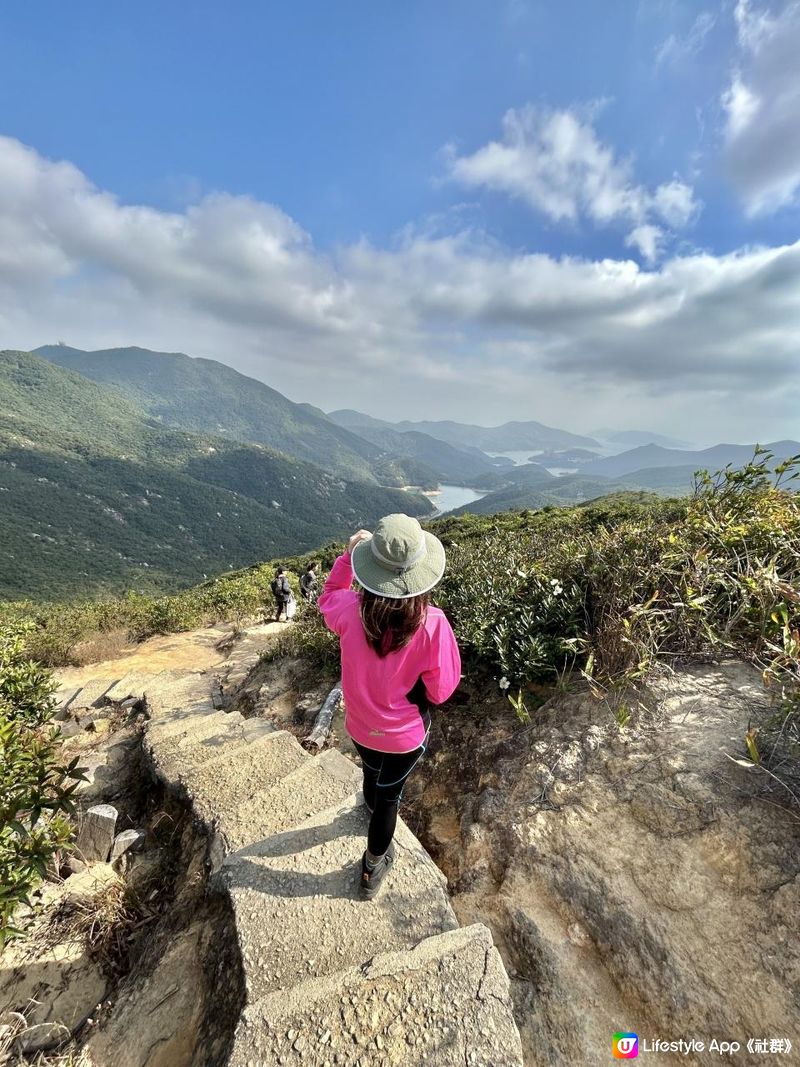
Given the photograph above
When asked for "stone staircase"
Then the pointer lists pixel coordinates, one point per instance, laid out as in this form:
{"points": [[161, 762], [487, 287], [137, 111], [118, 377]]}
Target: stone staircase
{"points": [[330, 979]]}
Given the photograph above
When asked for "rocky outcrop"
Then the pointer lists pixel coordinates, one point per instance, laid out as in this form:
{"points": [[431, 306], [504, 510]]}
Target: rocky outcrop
{"points": [[635, 878], [52, 977]]}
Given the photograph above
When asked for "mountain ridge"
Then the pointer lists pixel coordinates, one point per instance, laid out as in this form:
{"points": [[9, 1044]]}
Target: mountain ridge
{"points": [[508, 437], [203, 395], [97, 496], [651, 457]]}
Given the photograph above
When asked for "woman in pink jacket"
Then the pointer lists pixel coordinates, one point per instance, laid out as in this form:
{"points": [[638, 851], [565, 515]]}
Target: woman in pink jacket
{"points": [[399, 655]]}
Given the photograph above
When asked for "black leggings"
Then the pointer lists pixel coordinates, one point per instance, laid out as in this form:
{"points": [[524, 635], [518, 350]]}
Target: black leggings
{"points": [[385, 775]]}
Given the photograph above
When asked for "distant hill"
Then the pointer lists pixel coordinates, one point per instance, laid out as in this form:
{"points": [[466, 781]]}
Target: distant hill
{"points": [[670, 480], [538, 493], [531, 486], [567, 456], [437, 460], [525, 475], [204, 396], [96, 496], [510, 437], [648, 457], [634, 438]]}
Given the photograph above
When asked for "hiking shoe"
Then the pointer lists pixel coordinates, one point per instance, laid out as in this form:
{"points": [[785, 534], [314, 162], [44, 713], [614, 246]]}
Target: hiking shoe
{"points": [[371, 880]]}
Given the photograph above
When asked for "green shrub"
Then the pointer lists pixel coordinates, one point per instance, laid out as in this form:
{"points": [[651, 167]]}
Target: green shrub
{"points": [[35, 786]]}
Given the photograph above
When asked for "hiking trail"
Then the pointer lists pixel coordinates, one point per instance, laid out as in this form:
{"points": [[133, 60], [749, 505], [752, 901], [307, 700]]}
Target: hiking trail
{"points": [[326, 977]]}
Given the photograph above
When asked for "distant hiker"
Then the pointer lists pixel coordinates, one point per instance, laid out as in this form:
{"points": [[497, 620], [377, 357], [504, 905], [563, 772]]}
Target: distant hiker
{"points": [[282, 593], [398, 655], [308, 584]]}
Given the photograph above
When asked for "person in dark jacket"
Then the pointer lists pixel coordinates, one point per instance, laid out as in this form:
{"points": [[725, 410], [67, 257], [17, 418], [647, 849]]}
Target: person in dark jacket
{"points": [[282, 593], [308, 584]]}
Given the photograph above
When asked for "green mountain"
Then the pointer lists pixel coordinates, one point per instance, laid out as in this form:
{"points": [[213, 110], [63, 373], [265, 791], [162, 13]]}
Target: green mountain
{"points": [[436, 460], [523, 476], [510, 437], [95, 496], [528, 489], [203, 396]]}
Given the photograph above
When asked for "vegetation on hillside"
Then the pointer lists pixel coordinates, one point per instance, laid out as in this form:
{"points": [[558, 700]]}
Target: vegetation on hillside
{"points": [[95, 497], [207, 397], [63, 632], [608, 590], [36, 786]]}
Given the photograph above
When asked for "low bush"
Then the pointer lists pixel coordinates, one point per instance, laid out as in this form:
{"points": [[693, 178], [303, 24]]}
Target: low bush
{"points": [[36, 787]]}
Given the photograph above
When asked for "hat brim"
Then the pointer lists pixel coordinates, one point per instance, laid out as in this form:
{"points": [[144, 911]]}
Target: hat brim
{"points": [[379, 579]]}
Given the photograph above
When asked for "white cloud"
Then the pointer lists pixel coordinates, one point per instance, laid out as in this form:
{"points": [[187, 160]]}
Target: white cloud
{"points": [[676, 49], [554, 161], [647, 239], [762, 105], [439, 325], [675, 203]]}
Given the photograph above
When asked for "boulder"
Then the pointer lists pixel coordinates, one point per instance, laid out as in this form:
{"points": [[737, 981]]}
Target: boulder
{"points": [[56, 985], [41, 1037], [96, 835], [141, 869], [89, 882], [127, 841]]}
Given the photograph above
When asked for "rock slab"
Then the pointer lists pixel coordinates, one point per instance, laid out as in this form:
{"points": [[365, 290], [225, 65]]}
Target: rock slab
{"points": [[127, 841], [97, 832]]}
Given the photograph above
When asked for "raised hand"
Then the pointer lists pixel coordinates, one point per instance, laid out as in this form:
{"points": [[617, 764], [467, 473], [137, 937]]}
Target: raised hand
{"points": [[361, 535]]}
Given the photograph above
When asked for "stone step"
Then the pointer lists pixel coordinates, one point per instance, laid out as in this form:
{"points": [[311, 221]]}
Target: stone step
{"points": [[167, 732], [444, 1002], [296, 904], [172, 694], [245, 653], [92, 694], [201, 723], [177, 756], [133, 684], [63, 697], [317, 784], [219, 786]]}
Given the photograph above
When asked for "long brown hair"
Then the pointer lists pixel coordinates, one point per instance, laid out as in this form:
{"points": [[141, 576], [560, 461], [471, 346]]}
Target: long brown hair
{"points": [[389, 624]]}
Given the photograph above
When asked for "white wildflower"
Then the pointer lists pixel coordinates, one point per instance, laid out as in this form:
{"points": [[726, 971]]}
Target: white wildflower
{"points": [[504, 683]]}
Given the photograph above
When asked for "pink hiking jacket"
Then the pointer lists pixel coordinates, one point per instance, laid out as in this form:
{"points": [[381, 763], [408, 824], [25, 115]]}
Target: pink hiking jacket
{"points": [[378, 712]]}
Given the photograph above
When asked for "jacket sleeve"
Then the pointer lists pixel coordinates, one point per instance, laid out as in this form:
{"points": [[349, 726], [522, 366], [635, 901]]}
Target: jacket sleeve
{"points": [[444, 673], [335, 594]]}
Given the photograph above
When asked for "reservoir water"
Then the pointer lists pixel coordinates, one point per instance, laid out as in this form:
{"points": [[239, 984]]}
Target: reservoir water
{"points": [[453, 496]]}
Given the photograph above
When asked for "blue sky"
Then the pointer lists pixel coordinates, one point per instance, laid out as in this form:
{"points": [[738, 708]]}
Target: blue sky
{"points": [[395, 151]]}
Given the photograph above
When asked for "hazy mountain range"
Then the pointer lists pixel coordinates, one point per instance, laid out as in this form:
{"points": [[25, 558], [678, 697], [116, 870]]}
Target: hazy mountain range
{"points": [[127, 467], [510, 437]]}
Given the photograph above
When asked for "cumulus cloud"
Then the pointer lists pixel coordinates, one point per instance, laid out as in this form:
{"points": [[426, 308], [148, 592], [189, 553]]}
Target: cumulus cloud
{"points": [[761, 105], [554, 161], [436, 325]]}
